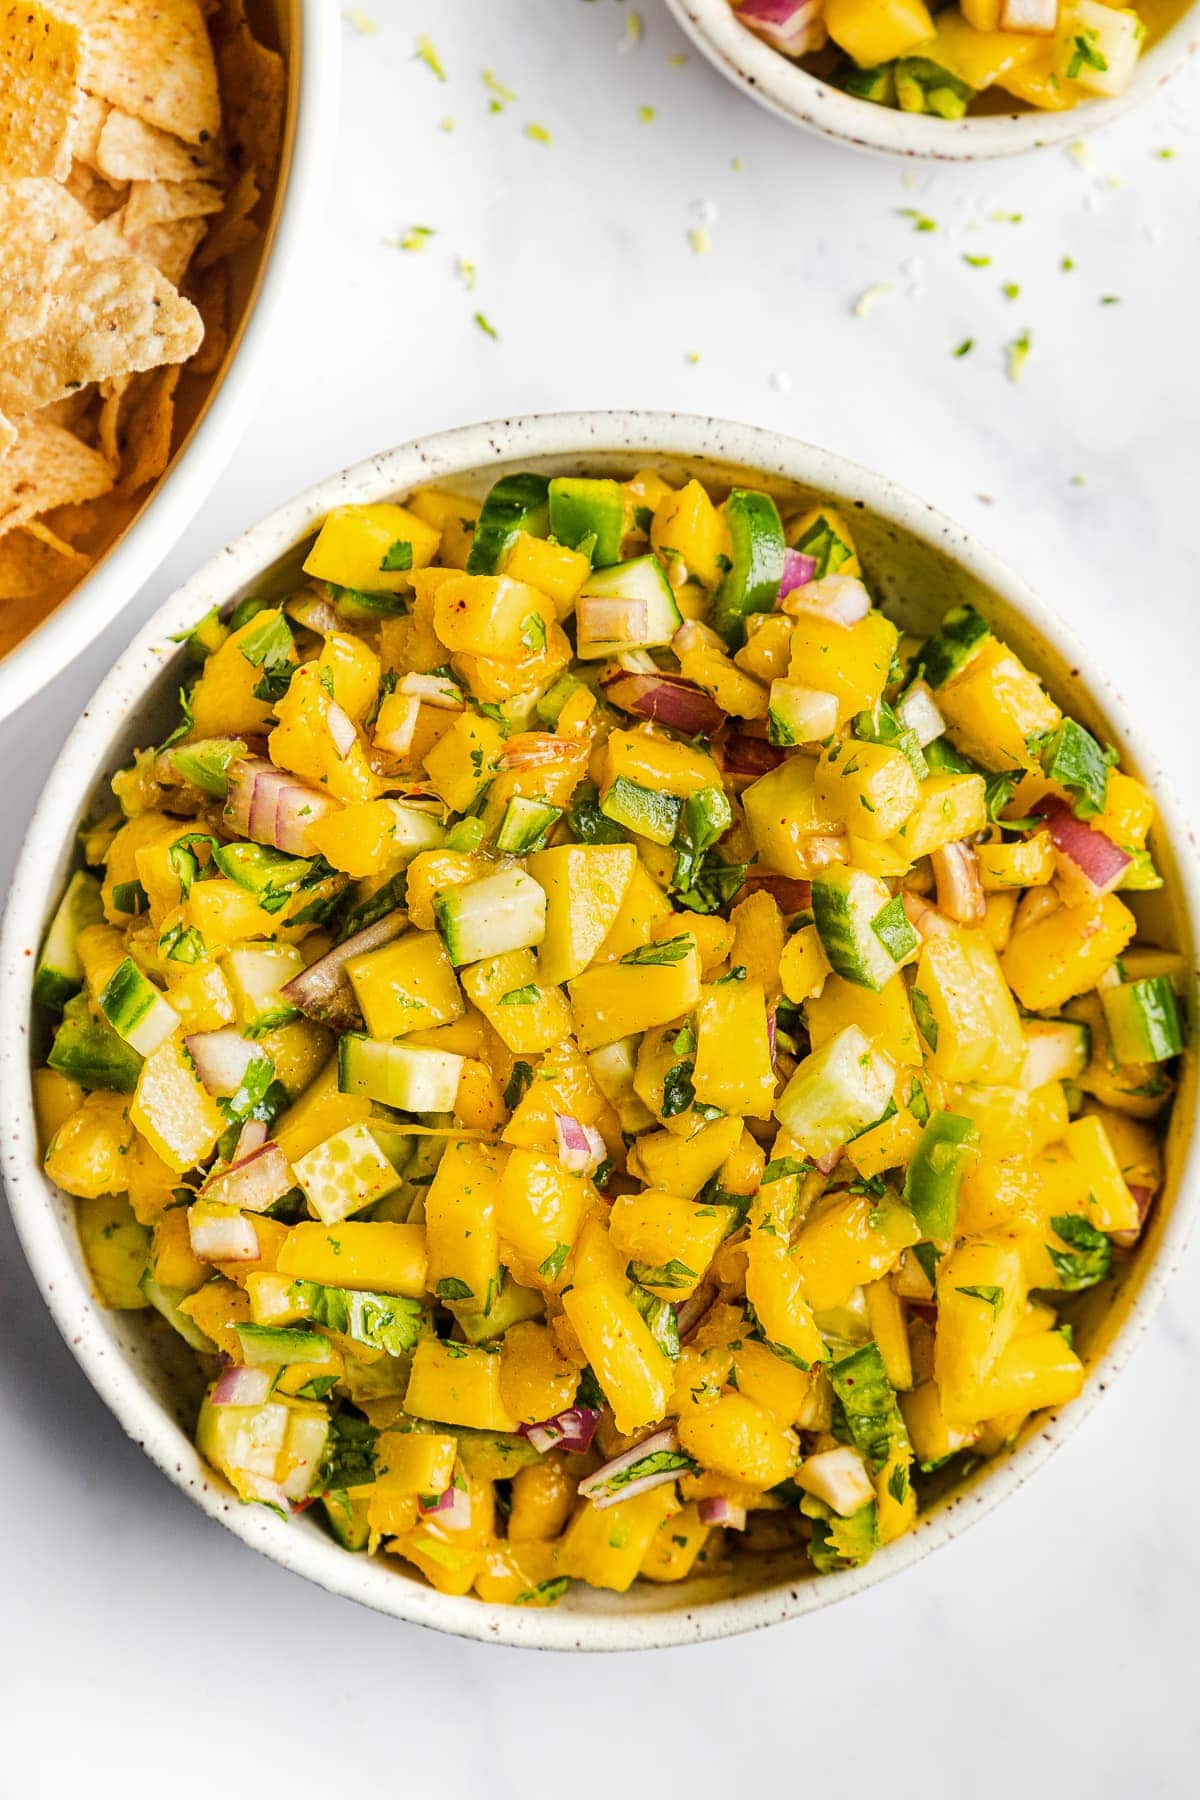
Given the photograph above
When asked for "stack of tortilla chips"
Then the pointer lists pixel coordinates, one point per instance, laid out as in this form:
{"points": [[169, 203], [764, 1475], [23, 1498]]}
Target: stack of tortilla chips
{"points": [[139, 144]]}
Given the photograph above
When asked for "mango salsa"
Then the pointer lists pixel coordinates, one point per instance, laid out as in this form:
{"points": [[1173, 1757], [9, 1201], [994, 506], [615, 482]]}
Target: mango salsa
{"points": [[582, 1119]]}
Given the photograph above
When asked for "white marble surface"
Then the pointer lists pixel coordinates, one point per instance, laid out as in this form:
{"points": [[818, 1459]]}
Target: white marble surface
{"points": [[1051, 1651]]}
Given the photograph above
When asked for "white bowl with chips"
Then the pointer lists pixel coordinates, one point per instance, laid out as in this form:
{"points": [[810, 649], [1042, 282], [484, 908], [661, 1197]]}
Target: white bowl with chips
{"points": [[803, 98], [909, 550], [308, 32]]}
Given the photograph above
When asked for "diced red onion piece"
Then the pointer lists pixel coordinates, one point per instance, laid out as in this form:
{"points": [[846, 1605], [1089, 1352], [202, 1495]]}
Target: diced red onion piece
{"points": [[315, 611], [841, 598], [255, 1183], [604, 621], [636, 662], [690, 1312], [580, 1147], [227, 1239], [451, 1510], [240, 1386], [959, 889], [790, 893], [918, 712], [271, 1493], [252, 1137], [299, 1477], [798, 571], [221, 1058], [432, 690], [1143, 1200], [668, 700], [753, 756], [323, 991], [791, 26], [598, 1487], [1091, 854], [718, 1511], [272, 807], [341, 729], [825, 1165], [573, 1429]]}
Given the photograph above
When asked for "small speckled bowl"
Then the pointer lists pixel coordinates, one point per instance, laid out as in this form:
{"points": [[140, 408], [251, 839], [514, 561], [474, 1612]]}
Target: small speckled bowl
{"points": [[919, 563], [785, 88]]}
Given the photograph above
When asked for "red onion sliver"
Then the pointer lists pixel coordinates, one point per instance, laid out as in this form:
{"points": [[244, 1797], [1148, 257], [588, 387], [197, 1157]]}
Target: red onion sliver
{"points": [[753, 756], [798, 571], [252, 1137], [604, 621], [580, 1147], [272, 807], [690, 1313], [598, 1487], [790, 893], [241, 1386], [1143, 1199], [570, 1430], [791, 26], [341, 729], [1092, 855], [668, 700], [925, 919], [719, 1511], [323, 992], [451, 1510], [253, 1184], [959, 890], [841, 598]]}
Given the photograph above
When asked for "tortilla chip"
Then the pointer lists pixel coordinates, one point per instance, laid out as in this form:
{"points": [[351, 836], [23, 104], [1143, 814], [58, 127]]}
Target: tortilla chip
{"points": [[161, 202], [211, 295], [147, 423], [130, 150], [72, 411], [90, 121], [234, 229], [154, 61], [37, 564], [41, 227], [168, 246], [113, 318], [8, 436], [40, 58], [254, 84], [99, 198], [47, 467], [108, 425]]}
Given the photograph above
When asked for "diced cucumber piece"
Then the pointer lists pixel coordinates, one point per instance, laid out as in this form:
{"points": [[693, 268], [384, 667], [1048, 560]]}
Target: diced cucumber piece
{"points": [[934, 1176], [957, 639], [627, 607], [130, 897], [836, 1093], [512, 1306], [89, 1051], [751, 583], [588, 515], [516, 503], [256, 973], [390, 1322], [59, 971], [136, 1010], [555, 698], [865, 932], [1055, 1050], [882, 726], [703, 818], [268, 874], [643, 810], [941, 758], [923, 86], [467, 835], [205, 763], [800, 715], [406, 1076], [345, 1173], [526, 825], [877, 85], [166, 1301], [346, 1519], [1143, 1020], [275, 1346], [415, 828], [499, 912]]}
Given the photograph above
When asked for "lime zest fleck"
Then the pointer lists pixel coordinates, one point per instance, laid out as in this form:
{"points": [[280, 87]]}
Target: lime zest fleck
{"points": [[1011, 290], [501, 96], [464, 268], [635, 31], [1006, 218], [426, 53], [1067, 264], [1017, 354], [920, 221], [485, 325], [977, 262], [692, 356], [699, 240], [415, 238], [360, 21], [538, 134], [647, 114], [965, 348], [869, 298], [678, 59]]}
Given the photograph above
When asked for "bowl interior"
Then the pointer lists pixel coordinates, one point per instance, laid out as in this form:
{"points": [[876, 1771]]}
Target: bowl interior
{"points": [[915, 561]]}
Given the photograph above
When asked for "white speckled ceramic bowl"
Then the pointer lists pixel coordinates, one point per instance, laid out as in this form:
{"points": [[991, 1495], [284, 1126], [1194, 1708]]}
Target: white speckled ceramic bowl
{"points": [[783, 87], [309, 32], [919, 562]]}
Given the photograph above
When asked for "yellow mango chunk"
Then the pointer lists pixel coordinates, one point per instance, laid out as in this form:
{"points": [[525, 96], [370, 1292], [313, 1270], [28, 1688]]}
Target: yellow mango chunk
{"points": [[371, 548]]}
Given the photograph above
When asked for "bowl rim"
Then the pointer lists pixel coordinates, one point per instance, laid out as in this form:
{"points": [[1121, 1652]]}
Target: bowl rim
{"points": [[313, 80], [783, 87], [469, 450]]}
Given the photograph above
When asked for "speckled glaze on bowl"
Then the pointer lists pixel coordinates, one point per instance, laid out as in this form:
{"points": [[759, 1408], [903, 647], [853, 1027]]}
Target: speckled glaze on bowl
{"points": [[785, 88], [310, 33], [908, 549]]}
